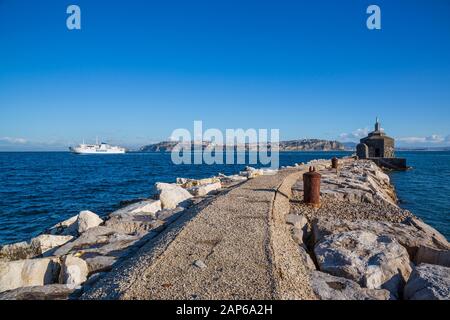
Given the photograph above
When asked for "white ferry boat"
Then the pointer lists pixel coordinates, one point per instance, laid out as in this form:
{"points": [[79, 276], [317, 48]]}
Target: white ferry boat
{"points": [[98, 148]]}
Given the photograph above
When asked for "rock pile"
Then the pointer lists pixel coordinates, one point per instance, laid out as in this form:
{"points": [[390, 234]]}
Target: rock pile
{"points": [[364, 246], [355, 182], [79, 250]]}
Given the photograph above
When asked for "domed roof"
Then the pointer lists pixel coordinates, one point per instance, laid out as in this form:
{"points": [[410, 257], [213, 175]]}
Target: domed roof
{"points": [[377, 134]]}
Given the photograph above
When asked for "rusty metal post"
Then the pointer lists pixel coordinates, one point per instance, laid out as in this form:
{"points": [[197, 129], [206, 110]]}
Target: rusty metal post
{"points": [[334, 163], [311, 187]]}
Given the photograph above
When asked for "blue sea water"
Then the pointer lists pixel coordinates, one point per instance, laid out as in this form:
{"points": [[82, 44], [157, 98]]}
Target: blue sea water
{"points": [[37, 190], [425, 189]]}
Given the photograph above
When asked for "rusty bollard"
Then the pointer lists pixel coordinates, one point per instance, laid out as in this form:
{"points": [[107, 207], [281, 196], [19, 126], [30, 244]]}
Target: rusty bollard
{"points": [[334, 163], [311, 187]]}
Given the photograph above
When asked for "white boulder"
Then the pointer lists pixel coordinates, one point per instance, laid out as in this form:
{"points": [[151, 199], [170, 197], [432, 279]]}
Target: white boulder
{"points": [[426, 254], [46, 242], [298, 221], [74, 271], [171, 195], [251, 172], [145, 207], [86, 220], [375, 262], [18, 251], [136, 224], [189, 183], [408, 235], [268, 171], [46, 292], [30, 272], [203, 190], [148, 206], [328, 287], [233, 178], [428, 282], [94, 237], [66, 227]]}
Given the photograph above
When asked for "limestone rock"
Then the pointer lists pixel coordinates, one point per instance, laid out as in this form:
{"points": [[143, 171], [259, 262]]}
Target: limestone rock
{"points": [[118, 245], [100, 263], [145, 207], [232, 178], [169, 215], [66, 227], [297, 235], [30, 272], [148, 206], [86, 220], [101, 240], [47, 292], [18, 251], [250, 172], [429, 255], [428, 282], [46, 242], [373, 261], [358, 182], [306, 259], [74, 271], [36, 247], [171, 195], [93, 237], [203, 190], [407, 235], [269, 172], [137, 224], [298, 221], [328, 287], [436, 236], [189, 183]]}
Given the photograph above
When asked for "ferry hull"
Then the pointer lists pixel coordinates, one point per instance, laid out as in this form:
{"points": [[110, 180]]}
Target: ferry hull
{"points": [[100, 152]]}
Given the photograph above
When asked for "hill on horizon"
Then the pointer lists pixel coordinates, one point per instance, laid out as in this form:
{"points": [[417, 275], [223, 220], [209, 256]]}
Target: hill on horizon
{"points": [[290, 145]]}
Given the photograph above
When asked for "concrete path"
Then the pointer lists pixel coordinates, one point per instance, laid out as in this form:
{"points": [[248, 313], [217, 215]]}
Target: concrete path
{"points": [[230, 238]]}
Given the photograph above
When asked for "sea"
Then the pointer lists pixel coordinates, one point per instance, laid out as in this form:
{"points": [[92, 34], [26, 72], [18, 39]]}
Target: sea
{"points": [[40, 189]]}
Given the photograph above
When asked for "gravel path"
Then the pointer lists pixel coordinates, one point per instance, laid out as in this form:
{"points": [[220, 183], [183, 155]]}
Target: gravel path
{"points": [[225, 250]]}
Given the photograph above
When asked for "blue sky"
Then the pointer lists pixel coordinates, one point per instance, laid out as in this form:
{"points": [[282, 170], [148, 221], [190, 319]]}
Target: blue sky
{"points": [[137, 70]]}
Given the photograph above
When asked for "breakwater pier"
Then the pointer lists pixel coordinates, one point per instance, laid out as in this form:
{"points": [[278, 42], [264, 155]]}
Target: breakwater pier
{"points": [[243, 236]]}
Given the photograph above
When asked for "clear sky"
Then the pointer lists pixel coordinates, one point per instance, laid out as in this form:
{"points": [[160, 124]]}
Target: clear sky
{"points": [[137, 70]]}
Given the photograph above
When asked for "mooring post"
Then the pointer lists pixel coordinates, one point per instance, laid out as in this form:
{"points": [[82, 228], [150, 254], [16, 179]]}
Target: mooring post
{"points": [[311, 187], [334, 163]]}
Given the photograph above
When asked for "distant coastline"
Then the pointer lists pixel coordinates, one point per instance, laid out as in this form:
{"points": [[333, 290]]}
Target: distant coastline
{"points": [[290, 145]]}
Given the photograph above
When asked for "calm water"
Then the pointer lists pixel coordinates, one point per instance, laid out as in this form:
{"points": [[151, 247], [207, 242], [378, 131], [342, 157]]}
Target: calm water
{"points": [[37, 190], [425, 190]]}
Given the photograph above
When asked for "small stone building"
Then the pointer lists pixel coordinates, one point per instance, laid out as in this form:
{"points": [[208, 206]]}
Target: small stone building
{"points": [[376, 145]]}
